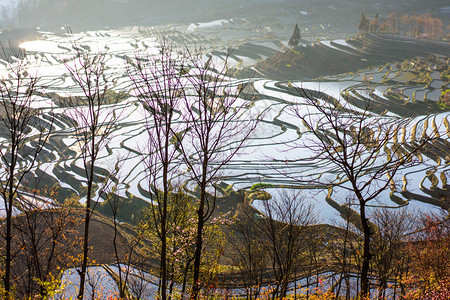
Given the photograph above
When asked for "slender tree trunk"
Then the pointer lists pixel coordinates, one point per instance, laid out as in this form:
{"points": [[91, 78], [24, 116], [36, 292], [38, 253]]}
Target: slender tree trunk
{"points": [[163, 227], [121, 285], [307, 287], [9, 209], [186, 269], [198, 245], [382, 289], [87, 222], [395, 288], [365, 289], [8, 238], [171, 289], [164, 217], [284, 287], [200, 222], [275, 291]]}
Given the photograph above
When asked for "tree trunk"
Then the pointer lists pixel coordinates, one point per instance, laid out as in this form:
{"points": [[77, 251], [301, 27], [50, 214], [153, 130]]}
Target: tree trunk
{"points": [[183, 290], [163, 226], [85, 247], [198, 246], [382, 289], [8, 238], [200, 224], [284, 287], [87, 220], [119, 269], [365, 289]]}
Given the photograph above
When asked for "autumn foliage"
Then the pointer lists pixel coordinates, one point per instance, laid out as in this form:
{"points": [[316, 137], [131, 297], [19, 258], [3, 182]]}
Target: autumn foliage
{"points": [[429, 253], [422, 26]]}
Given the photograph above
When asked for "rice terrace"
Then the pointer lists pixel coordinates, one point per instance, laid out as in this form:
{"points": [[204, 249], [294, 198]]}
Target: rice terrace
{"points": [[274, 149]]}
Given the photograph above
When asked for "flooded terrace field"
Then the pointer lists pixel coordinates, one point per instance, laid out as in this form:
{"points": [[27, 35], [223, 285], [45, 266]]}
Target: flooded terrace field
{"points": [[407, 85]]}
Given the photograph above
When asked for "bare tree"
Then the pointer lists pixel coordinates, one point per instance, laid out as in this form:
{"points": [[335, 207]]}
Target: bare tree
{"points": [[126, 247], [218, 128], [160, 85], [286, 236], [43, 249], [342, 246], [23, 136], [391, 228], [93, 115], [249, 254], [367, 151], [140, 284]]}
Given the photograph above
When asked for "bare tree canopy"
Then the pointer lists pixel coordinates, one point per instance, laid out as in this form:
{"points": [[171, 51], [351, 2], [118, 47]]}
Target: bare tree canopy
{"points": [[93, 118], [365, 150], [23, 136]]}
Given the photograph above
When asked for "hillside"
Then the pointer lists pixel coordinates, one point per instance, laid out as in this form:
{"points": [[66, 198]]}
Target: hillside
{"points": [[324, 58]]}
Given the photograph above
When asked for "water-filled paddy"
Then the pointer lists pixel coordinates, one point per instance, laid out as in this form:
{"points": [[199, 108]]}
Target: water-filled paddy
{"points": [[272, 154]]}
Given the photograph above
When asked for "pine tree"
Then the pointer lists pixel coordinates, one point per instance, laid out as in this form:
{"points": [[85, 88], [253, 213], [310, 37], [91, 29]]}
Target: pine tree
{"points": [[363, 26], [295, 38]]}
